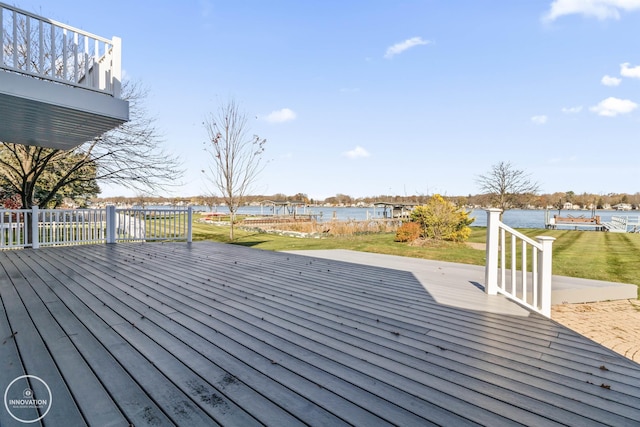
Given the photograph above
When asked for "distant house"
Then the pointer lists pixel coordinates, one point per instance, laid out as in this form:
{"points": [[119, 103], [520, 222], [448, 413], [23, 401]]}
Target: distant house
{"points": [[622, 207]]}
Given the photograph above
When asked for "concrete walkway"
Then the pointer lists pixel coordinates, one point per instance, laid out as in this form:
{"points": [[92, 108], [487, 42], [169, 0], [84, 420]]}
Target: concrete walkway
{"points": [[566, 290]]}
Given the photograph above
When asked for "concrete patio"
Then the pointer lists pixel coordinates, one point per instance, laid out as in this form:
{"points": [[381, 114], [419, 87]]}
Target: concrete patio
{"points": [[565, 290]]}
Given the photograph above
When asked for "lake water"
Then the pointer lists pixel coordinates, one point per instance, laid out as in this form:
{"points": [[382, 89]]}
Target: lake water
{"points": [[516, 218]]}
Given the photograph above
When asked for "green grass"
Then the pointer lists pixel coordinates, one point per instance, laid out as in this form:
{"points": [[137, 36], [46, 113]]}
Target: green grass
{"points": [[378, 243], [612, 257]]}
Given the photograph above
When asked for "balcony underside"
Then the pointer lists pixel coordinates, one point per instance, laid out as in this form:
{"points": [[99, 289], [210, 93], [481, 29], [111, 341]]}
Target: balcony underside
{"points": [[48, 114]]}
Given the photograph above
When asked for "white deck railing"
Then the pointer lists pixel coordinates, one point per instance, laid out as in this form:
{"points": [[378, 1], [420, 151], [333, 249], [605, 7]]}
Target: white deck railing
{"points": [[517, 266], [23, 228], [50, 50], [14, 232], [70, 227], [152, 224]]}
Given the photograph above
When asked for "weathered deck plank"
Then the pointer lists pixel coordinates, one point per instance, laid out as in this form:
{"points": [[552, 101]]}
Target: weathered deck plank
{"points": [[93, 401], [154, 324], [32, 336], [117, 333], [544, 343], [111, 359], [177, 299], [209, 333], [10, 361]]}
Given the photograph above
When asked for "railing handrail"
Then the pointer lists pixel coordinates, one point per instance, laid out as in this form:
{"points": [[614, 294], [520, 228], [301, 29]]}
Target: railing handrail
{"points": [[96, 71], [527, 239], [537, 281], [53, 22], [128, 226], [21, 228], [162, 209]]}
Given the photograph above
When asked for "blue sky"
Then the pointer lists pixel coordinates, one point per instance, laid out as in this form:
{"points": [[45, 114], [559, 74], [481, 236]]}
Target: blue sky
{"points": [[370, 97]]}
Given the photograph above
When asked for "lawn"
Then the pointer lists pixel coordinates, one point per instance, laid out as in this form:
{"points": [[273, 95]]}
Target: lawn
{"points": [[588, 254]]}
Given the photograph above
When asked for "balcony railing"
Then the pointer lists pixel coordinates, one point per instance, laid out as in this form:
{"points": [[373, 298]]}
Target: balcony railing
{"points": [[517, 266], [50, 50], [150, 224], [34, 228]]}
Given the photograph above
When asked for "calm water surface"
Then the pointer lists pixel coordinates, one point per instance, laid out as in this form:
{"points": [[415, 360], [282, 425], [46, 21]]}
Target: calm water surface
{"points": [[516, 218]]}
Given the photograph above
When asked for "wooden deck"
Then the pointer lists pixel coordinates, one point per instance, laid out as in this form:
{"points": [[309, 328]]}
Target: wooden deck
{"points": [[212, 334]]}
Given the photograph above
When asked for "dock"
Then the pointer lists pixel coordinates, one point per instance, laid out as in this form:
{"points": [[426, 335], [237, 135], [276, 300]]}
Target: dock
{"points": [[617, 224], [553, 222]]}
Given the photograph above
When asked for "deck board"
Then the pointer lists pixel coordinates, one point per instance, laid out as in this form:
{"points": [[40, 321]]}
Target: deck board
{"points": [[111, 358], [91, 397], [163, 371], [10, 360], [195, 308], [410, 353], [36, 338], [260, 406], [207, 334]]}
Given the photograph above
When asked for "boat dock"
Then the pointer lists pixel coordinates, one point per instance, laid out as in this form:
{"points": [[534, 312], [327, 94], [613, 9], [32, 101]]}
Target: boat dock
{"points": [[617, 224]]}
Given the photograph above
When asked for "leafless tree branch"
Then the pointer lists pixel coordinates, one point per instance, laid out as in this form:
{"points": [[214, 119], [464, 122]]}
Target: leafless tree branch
{"points": [[505, 185], [236, 156]]}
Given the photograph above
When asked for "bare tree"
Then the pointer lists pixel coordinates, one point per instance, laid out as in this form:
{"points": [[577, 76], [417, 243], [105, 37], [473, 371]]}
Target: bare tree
{"points": [[236, 156], [506, 185], [130, 156]]}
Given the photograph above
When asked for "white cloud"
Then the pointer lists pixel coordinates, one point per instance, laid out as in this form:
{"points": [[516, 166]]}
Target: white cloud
{"points": [[600, 9], [627, 71], [402, 46], [539, 120], [280, 116], [610, 81], [611, 107], [572, 110], [356, 153]]}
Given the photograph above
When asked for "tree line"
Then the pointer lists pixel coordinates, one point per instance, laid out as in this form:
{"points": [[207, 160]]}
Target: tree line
{"points": [[554, 200]]}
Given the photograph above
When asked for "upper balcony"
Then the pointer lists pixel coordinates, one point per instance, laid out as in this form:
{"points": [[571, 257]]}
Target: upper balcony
{"points": [[59, 86]]}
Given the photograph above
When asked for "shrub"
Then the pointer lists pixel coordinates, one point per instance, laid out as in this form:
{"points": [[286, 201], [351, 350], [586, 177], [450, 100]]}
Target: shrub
{"points": [[408, 232], [440, 219]]}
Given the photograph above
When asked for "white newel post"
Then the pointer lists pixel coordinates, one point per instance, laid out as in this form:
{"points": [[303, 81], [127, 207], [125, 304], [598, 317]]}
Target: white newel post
{"points": [[116, 67], [111, 224], [544, 273], [189, 224], [493, 246], [35, 243]]}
